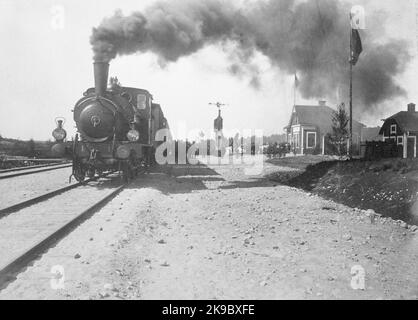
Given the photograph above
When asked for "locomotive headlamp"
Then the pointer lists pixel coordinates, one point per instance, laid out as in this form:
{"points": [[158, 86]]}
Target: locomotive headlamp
{"points": [[133, 135], [59, 133]]}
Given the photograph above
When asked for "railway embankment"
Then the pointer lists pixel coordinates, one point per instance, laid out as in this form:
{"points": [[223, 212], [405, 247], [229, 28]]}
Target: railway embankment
{"points": [[389, 187]]}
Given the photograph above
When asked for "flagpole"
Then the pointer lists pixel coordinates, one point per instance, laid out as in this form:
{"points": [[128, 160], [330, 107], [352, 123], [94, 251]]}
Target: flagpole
{"points": [[294, 92], [350, 151]]}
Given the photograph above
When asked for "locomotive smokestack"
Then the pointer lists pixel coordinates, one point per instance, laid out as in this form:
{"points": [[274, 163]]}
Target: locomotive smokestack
{"points": [[101, 73]]}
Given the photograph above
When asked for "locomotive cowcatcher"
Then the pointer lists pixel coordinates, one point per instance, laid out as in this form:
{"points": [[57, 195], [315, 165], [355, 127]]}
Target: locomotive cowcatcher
{"points": [[116, 129]]}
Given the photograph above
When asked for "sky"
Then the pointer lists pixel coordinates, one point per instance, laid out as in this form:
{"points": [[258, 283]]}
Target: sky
{"points": [[46, 65]]}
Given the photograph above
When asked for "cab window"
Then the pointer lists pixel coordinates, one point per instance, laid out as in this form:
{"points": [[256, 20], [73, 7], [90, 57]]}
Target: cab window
{"points": [[141, 101]]}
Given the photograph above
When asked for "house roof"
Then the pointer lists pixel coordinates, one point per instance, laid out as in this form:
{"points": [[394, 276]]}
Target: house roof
{"points": [[408, 121], [319, 116], [370, 134]]}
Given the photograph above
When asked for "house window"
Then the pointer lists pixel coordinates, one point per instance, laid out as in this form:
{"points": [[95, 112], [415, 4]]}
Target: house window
{"points": [[393, 129], [400, 140], [311, 140]]}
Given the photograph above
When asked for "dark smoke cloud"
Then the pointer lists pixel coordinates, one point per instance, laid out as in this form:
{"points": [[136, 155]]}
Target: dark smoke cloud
{"points": [[310, 38], [171, 29]]}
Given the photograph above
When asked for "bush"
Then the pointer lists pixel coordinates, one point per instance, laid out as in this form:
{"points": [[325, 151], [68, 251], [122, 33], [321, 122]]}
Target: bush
{"points": [[275, 149]]}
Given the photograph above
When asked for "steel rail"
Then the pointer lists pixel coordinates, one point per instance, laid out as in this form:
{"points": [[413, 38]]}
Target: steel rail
{"points": [[32, 167], [32, 160], [34, 171]]}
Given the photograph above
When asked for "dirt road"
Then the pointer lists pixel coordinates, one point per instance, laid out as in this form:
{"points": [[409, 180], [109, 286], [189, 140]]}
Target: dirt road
{"points": [[197, 232]]}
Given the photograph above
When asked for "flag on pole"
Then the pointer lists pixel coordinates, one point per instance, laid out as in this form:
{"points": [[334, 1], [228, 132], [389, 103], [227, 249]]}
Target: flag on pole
{"points": [[356, 46], [296, 81], [357, 23]]}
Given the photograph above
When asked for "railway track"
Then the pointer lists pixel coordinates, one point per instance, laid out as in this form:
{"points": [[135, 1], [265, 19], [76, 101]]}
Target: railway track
{"points": [[26, 203], [39, 223], [11, 173], [33, 167]]}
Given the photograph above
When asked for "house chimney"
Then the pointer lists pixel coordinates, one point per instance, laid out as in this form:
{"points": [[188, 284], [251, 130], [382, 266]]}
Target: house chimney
{"points": [[101, 73], [411, 107], [322, 103]]}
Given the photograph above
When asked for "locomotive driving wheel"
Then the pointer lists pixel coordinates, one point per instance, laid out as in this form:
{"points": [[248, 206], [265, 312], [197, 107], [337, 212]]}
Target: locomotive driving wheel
{"points": [[135, 163], [130, 167], [91, 172], [78, 172], [127, 171]]}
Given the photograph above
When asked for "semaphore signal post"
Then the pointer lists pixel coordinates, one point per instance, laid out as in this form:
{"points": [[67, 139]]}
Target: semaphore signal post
{"points": [[218, 126]]}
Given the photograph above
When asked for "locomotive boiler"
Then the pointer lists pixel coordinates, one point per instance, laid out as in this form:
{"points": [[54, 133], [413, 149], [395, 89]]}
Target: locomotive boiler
{"points": [[116, 128]]}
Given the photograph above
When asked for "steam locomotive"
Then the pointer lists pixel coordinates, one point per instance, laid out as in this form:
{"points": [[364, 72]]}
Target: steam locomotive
{"points": [[116, 128]]}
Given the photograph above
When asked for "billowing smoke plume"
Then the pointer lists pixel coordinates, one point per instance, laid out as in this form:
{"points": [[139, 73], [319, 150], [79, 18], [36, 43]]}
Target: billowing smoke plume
{"points": [[308, 38]]}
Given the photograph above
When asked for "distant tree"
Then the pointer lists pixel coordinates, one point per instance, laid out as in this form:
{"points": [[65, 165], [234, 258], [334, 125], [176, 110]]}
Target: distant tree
{"points": [[339, 135], [279, 138], [31, 148]]}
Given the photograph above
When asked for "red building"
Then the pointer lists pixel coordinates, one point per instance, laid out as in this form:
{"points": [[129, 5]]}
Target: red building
{"points": [[402, 129]]}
